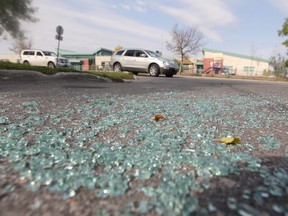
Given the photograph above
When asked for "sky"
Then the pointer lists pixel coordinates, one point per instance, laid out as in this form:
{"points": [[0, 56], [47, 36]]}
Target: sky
{"points": [[247, 27]]}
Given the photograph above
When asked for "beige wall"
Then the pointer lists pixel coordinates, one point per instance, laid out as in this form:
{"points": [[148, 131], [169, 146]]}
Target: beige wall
{"points": [[101, 62], [239, 63], [11, 58]]}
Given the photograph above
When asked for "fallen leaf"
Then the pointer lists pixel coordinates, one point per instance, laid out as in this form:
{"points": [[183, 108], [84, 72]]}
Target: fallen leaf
{"points": [[159, 117], [230, 140], [23, 181], [71, 200]]}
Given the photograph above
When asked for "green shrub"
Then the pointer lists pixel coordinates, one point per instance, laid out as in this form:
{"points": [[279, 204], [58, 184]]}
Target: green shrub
{"points": [[266, 73], [45, 70], [115, 76]]}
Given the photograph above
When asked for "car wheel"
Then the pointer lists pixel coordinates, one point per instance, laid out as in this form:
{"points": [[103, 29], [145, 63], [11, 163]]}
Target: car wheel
{"points": [[51, 65], [154, 70], [26, 63], [117, 67]]}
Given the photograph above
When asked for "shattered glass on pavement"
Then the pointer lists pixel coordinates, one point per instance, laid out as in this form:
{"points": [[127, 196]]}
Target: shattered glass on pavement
{"points": [[104, 144]]}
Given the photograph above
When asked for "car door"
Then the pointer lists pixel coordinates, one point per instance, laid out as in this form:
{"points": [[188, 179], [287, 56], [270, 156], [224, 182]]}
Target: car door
{"points": [[128, 60], [31, 57], [39, 59], [140, 63]]}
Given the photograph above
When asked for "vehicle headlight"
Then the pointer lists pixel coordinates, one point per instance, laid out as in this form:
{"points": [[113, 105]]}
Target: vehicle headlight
{"points": [[166, 63]]}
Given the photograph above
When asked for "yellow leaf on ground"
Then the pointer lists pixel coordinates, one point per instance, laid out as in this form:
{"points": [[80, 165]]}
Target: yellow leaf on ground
{"points": [[159, 117], [230, 140]]}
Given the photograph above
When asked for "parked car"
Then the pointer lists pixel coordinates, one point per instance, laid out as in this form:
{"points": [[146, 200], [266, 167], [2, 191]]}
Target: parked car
{"points": [[141, 60], [43, 58]]}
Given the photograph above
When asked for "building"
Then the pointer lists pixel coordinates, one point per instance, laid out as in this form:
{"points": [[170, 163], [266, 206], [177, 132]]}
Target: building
{"points": [[15, 58], [212, 62], [96, 60], [219, 62]]}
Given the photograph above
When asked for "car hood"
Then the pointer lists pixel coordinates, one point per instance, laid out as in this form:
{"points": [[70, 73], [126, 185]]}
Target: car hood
{"points": [[171, 62]]}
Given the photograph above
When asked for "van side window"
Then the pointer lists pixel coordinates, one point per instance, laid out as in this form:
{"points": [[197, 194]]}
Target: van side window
{"points": [[26, 53], [39, 54], [31, 53]]}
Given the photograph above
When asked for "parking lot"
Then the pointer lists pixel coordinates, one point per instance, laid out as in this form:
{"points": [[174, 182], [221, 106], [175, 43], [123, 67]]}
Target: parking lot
{"points": [[75, 145]]}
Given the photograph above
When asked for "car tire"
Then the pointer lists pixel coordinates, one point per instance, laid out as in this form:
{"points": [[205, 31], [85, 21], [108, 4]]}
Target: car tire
{"points": [[117, 67], [154, 70], [51, 65], [26, 63]]}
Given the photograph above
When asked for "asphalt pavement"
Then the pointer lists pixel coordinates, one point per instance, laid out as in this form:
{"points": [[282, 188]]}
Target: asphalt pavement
{"points": [[75, 144]]}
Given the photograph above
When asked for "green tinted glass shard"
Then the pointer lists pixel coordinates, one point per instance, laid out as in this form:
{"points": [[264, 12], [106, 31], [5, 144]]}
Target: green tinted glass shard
{"points": [[4, 120], [232, 203], [247, 210]]}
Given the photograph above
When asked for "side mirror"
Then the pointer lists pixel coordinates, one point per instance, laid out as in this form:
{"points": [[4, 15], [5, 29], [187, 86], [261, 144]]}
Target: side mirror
{"points": [[159, 53], [143, 55]]}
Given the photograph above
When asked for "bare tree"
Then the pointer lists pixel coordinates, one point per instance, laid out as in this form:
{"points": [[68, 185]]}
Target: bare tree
{"points": [[253, 56], [278, 64], [20, 44], [185, 41]]}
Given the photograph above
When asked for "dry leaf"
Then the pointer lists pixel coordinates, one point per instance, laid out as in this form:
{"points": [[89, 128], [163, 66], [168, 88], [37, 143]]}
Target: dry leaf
{"points": [[159, 117], [71, 200], [23, 181], [230, 140]]}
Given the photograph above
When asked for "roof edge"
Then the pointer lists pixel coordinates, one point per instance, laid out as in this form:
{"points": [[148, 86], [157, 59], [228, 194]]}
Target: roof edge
{"points": [[236, 55]]}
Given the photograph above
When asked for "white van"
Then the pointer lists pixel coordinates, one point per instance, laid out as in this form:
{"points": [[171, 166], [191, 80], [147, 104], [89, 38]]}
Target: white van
{"points": [[43, 58]]}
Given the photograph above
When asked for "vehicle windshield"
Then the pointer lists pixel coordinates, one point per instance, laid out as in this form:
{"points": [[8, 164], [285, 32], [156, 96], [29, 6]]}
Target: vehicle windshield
{"points": [[152, 54], [48, 53]]}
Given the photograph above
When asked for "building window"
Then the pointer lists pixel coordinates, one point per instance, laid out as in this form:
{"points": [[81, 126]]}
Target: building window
{"points": [[228, 69], [249, 69]]}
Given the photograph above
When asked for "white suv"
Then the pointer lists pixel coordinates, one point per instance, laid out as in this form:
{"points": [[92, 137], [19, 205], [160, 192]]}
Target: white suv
{"points": [[141, 60], [43, 58]]}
